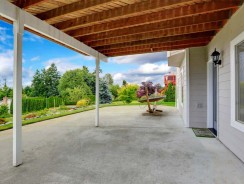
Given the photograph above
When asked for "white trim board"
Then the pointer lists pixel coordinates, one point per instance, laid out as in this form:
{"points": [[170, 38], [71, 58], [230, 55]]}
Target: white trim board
{"points": [[10, 12], [234, 123]]}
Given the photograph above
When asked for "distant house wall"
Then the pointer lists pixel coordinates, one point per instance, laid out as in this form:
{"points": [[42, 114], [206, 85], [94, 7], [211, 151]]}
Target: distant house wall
{"points": [[228, 135]]}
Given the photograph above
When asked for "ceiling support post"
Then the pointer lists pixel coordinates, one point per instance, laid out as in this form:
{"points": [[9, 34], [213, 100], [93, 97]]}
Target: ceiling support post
{"points": [[17, 90], [97, 90]]}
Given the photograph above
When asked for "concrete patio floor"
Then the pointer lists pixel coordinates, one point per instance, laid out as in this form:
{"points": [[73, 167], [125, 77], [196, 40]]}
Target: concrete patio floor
{"points": [[128, 148]]}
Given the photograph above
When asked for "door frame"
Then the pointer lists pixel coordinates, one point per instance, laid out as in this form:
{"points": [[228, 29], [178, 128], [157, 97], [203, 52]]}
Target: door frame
{"points": [[210, 123]]}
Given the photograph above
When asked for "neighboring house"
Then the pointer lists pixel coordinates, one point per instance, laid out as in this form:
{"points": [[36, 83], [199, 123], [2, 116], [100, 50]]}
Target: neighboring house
{"points": [[169, 78], [212, 96]]}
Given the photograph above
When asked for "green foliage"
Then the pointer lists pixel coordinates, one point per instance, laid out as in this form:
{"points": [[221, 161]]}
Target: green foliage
{"points": [[28, 91], [114, 90], [45, 83], [109, 79], [37, 103], [3, 110], [6, 91], [104, 93], [2, 121], [73, 95], [127, 93], [170, 93]]}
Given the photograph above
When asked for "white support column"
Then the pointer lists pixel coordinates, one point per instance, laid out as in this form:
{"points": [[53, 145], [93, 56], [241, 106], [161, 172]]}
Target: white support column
{"points": [[17, 90], [97, 91]]}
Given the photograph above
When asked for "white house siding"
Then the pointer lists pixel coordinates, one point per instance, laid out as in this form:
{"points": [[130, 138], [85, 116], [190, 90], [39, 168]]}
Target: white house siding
{"points": [[181, 79], [198, 87], [229, 136]]}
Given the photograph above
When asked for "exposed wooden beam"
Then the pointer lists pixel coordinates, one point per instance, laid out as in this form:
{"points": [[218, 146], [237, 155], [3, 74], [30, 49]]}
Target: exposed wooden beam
{"points": [[158, 45], [167, 14], [130, 10], [27, 3], [144, 51], [158, 34], [71, 8], [181, 22], [157, 40]]}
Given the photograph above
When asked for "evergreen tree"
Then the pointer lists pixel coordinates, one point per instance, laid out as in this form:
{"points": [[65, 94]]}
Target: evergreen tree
{"points": [[38, 84], [170, 93], [105, 94], [124, 83], [51, 78]]}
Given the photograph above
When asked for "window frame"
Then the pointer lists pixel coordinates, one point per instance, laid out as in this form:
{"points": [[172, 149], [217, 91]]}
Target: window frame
{"points": [[233, 69]]}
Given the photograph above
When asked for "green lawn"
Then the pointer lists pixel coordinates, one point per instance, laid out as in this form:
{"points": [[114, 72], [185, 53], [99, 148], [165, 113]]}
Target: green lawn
{"points": [[65, 113]]}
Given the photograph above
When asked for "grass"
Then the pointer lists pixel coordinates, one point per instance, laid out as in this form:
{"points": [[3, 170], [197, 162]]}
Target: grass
{"points": [[118, 103]]}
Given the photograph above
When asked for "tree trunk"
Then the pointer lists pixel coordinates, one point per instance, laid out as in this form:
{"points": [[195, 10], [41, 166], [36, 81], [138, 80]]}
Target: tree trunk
{"points": [[148, 103]]}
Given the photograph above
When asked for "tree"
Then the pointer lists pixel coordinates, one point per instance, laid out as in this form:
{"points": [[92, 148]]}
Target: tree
{"points": [[124, 83], [147, 89], [114, 90], [6, 91], [45, 82], [109, 79], [127, 93], [38, 84], [76, 82], [28, 91], [170, 93], [104, 93], [51, 80]]}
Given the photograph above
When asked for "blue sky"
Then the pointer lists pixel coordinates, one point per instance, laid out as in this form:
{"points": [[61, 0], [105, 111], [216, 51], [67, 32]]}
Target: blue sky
{"points": [[39, 53]]}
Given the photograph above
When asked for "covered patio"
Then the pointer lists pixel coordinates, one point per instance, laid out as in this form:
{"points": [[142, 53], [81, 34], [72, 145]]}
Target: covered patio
{"points": [[127, 148]]}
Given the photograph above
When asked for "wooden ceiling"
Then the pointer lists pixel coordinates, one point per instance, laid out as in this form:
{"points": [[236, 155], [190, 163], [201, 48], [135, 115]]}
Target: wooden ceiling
{"points": [[124, 27]]}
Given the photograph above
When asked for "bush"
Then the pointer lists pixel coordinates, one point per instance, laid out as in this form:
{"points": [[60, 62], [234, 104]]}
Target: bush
{"points": [[82, 103], [3, 110], [170, 93], [2, 121], [128, 93], [63, 107]]}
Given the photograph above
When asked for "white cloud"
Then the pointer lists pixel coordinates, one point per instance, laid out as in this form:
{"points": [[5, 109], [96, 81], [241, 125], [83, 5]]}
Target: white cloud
{"points": [[140, 58], [5, 38], [64, 64], [37, 58], [145, 72]]}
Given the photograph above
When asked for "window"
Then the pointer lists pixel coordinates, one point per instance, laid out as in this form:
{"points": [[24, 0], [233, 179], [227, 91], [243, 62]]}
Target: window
{"points": [[237, 82], [240, 82]]}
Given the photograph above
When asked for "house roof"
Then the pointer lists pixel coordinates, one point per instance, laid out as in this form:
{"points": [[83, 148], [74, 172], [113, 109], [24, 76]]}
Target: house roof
{"points": [[124, 27]]}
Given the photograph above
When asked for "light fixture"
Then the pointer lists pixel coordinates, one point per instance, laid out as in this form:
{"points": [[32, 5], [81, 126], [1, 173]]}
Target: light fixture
{"points": [[215, 56]]}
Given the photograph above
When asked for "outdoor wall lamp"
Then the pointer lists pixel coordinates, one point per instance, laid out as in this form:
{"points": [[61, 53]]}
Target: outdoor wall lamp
{"points": [[215, 56]]}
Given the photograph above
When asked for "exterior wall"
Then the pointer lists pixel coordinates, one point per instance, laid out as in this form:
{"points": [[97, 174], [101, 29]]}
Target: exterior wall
{"points": [[198, 87], [229, 136], [181, 81]]}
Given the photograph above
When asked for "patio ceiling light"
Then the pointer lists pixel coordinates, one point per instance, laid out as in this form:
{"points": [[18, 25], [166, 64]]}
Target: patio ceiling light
{"points": [[215, 56]]}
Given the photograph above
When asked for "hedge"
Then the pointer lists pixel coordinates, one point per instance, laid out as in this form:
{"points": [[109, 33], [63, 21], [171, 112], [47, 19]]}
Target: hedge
{"points": [[36, 104]]}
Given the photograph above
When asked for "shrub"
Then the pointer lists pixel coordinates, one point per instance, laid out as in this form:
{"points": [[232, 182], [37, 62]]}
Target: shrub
{"points": [[2, 121], [63, 107], [82, 103], [3, 110], [128, 93], [170, 93]]}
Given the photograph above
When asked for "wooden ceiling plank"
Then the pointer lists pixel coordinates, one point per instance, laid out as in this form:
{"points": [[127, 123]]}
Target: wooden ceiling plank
{"points": [[157, 40], [159, 45], [27, 3], [158, 34], [182, 22], [71, 8], [166, 15], [144, 51], [120, 12]]}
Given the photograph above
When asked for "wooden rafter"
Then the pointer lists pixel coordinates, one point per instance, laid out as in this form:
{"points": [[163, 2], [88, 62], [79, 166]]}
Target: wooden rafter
{"points": [[159, 34], [27, 3], [143, 51], [166, 15], [177, 23], [71, 8], [121, 12], [157, 40], [158, 45]]}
